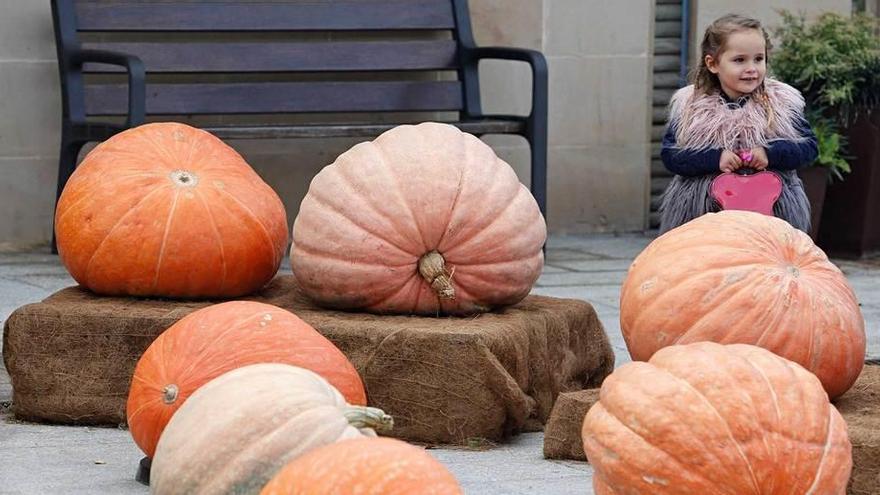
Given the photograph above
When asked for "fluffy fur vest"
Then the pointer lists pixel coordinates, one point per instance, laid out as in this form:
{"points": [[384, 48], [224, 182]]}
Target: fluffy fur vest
{"points": [[707, 121]]}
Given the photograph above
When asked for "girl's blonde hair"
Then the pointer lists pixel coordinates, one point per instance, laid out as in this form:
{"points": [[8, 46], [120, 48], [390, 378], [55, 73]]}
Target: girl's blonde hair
{"points": [[713, 44]]}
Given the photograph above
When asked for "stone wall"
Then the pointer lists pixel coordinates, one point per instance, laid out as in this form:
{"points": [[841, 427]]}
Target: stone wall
{"points": [[599, 56]]}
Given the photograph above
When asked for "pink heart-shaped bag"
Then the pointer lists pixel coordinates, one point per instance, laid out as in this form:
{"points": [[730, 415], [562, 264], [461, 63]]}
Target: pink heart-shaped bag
{"points": [[756, 192]]}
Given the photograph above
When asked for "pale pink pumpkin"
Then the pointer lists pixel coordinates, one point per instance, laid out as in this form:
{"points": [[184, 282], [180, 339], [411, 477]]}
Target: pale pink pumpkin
{"points": [[742, 277], [425, 219], [711, 419], [234, 433]]}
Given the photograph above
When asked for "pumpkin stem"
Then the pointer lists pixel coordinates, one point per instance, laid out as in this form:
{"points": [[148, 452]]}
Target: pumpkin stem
{"points": [[432, 267], [184, 178], [169, 393], [368, 417]]}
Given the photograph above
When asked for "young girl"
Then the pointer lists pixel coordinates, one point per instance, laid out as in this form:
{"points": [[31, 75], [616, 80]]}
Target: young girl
{"points": [[732, 110]]}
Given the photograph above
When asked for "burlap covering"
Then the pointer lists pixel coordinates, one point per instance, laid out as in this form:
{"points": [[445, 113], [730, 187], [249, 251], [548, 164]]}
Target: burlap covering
{"points": [[445, 380], [860, 407], [562, 435]]}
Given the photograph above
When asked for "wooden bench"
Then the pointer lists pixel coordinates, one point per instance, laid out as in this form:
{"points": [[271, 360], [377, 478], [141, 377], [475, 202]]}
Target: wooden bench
{"points": [[302, 58]]}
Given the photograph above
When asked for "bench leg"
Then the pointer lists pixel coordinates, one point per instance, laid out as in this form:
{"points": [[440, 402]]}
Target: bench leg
{"points": [[66, 164], [538, 148], [539, 176], [538, 145]]}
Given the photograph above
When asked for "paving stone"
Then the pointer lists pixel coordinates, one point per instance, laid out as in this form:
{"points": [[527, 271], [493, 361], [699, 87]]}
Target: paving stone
{"points": [[596, 265], [575, 268], [581, 279]]}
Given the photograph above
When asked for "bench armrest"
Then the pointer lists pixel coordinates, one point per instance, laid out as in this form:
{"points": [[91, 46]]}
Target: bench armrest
{"points": [[533, 57], [136, 78], [536, 61]]}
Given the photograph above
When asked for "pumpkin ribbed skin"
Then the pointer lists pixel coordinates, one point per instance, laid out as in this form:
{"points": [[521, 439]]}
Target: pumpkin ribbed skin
{"points": [[211, 341], [742, 277], [237, 431], [169, 210], [364, 466], [423, 197], [713, 419]]}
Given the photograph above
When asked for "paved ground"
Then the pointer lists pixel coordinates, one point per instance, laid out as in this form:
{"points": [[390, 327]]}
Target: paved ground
{"points": [[41, 459]]}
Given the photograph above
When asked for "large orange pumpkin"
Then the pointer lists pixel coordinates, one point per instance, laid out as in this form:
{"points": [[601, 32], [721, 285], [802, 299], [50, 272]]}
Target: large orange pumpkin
{"points": [[367, 465], [169, 210], [211, 341], [711, 419], [742, 277], [425, 219]]}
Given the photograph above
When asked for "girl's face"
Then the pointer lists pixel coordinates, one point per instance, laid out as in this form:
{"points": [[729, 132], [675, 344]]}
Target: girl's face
{"points": [[741, 64]]}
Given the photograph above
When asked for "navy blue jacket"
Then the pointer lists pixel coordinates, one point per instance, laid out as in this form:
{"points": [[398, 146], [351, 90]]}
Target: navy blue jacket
{"points": [[781, 154]]}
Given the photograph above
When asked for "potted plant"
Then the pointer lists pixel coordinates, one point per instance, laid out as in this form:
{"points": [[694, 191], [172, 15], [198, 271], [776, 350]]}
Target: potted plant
{"points": [[830, 165], [835, 62]]}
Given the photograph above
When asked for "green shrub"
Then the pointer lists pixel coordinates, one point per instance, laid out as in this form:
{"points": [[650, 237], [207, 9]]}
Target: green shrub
{"points": [[835, 63]]}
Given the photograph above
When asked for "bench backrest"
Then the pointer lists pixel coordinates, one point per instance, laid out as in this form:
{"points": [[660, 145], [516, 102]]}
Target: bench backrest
{"points": [[254, 48]]}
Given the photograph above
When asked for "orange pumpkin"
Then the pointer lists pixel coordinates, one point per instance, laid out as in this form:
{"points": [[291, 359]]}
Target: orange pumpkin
{"points": [[425, 219], [169, 210], [742, 277], [211, 341], [362, 466], [712, 419]]}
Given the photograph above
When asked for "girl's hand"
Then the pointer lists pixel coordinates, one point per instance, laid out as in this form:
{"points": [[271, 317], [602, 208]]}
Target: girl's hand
{"points": [[759, 159], [729, 161]]}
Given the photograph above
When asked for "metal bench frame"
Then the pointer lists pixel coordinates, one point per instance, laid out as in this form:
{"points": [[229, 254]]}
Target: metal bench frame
{"points": [[138, 98]]}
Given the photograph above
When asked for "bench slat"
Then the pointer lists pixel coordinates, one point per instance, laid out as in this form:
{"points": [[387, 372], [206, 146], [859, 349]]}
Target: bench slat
{"points": [[242, 98], [121, 15], [284, 57], [353, 130]]}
